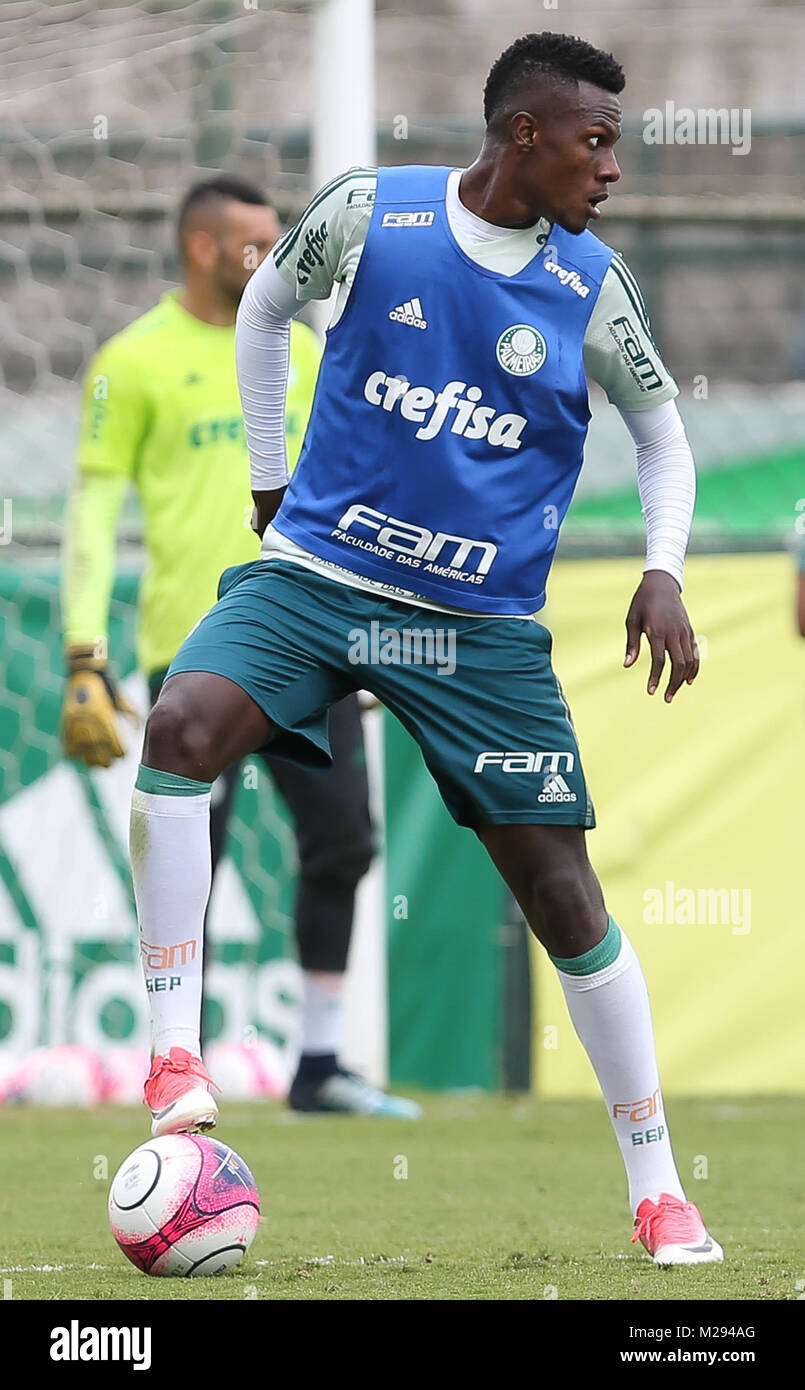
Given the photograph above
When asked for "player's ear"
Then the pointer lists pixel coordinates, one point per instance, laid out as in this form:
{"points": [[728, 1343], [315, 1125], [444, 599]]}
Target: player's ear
{"points": [[524, 130], [202, 249]]}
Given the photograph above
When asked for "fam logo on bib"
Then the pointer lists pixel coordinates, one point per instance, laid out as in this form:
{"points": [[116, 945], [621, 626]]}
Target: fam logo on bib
{"points": [[521, 349]]}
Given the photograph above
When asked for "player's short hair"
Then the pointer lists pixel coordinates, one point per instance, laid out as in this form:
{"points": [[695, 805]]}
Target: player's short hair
{"points": [[551, 57], [223, 189]]}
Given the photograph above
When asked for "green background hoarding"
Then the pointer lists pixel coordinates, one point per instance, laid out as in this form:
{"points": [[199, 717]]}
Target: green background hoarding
{"points": [[67, 922]]}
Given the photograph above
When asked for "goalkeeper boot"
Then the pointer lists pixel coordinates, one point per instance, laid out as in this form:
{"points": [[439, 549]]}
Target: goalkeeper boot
{"points": [[674, 1234], [342, 1092], [178, 1094]]}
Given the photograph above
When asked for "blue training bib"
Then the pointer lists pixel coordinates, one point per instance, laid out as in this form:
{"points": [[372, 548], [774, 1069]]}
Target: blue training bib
{"points": [[451, 410]]}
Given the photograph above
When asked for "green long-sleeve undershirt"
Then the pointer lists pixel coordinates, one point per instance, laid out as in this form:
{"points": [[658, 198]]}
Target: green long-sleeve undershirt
{"points": [[89, 555]]}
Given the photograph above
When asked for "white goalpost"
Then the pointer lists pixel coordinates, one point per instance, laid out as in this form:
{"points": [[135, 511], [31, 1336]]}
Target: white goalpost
{"points": [[343, 83], [343, 133]]}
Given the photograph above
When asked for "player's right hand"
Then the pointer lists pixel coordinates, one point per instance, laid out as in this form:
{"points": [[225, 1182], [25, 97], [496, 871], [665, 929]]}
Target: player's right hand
{"points": [[92, 703]]}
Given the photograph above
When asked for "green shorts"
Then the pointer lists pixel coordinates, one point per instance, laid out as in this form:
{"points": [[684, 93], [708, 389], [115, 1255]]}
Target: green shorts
{"points": [[477, 694]]}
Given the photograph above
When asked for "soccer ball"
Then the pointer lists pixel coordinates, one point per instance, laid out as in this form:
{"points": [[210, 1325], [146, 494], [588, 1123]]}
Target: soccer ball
{"points": [[126, 1070], [184, 1205], [52, 1076], [248, 1071]]}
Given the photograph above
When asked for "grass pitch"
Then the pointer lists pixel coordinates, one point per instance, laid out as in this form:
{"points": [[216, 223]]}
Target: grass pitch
{"points": [[503, 1200]]}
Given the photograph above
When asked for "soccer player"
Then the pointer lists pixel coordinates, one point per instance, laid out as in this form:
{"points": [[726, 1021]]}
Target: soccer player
{"points": [[445, 441], [161, 409]]}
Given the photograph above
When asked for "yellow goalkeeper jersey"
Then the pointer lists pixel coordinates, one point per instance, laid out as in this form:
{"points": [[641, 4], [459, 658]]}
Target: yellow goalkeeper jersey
{"points": [[161, 408]]}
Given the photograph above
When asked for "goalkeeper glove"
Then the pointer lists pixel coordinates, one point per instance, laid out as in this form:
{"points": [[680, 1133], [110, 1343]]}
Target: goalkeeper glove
{"points": [[91, 704]]}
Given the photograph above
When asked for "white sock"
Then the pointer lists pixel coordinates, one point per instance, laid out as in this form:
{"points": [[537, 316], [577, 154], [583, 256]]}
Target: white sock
{"points": [[611, 1014], [170, 864], [322, 1012]]}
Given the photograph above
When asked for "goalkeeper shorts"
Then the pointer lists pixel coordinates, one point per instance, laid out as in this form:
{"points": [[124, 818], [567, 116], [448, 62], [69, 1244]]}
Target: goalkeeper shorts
{"points": [[478, 694]]}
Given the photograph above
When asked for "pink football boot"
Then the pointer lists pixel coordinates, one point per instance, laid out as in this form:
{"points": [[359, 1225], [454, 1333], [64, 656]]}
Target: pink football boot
{"points": [[177, 1093]]}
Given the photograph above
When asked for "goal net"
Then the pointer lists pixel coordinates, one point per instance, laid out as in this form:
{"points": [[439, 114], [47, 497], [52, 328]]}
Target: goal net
{"points": [[109, 112]]}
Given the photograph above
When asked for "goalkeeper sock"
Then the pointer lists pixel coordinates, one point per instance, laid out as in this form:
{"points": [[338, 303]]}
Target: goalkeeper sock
{"points": [[170, 864], [608, 1002], [322, 1012]]}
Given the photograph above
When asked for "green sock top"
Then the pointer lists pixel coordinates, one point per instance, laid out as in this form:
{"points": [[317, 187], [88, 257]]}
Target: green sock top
{"points": [[149, 779], [598, 958]]}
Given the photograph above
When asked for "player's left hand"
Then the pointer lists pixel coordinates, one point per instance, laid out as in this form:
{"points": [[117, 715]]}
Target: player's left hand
{"points": [[658, 611], [266, 506]]}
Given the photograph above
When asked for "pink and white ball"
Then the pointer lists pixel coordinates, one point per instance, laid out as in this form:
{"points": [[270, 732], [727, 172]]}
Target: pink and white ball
{"points": [[248, 1071], [184, 1205], [125, 1071], [53, 1076]]}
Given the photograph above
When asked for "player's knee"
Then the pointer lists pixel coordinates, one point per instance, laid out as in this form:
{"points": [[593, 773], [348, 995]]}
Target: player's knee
{"points": [[564, 894], [179, 739], [561, 890], [361, 847]]}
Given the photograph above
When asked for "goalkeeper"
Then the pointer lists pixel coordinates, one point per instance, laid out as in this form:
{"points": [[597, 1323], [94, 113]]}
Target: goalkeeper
{"points": [[161, 410]]}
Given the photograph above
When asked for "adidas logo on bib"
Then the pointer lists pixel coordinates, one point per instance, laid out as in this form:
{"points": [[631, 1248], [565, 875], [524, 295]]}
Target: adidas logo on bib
{"points": [[409, 313], [556, 789]]}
